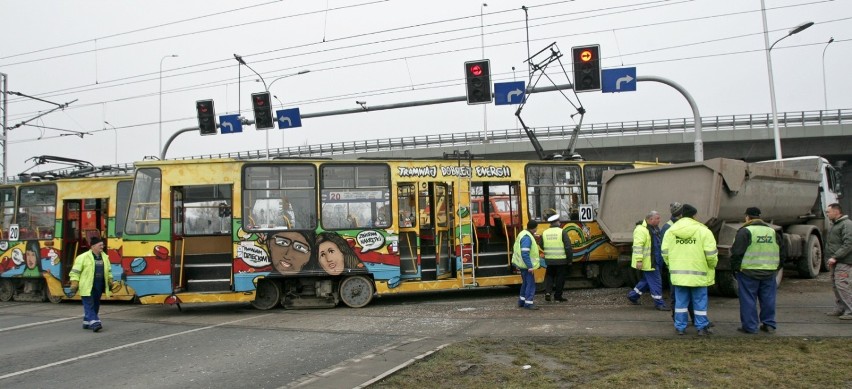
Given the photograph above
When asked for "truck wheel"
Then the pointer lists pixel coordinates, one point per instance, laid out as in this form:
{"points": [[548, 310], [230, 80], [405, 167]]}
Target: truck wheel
{"points": [[268, 295], [726, 283], [611, 275], [810, 264]]}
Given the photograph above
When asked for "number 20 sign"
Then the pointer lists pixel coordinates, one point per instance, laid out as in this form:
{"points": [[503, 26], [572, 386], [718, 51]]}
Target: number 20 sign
{"points": [[586, 213]]}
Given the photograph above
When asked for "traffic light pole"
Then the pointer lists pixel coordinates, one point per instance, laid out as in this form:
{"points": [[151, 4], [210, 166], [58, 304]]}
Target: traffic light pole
{"points": [[698, 144]]}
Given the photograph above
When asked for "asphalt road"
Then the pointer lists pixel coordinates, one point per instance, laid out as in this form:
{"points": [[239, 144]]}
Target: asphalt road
{"points": [[233, 345]]}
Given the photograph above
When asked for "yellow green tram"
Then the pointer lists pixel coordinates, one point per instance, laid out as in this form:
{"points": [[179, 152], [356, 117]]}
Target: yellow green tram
{"points": [[46, 224], [313, 233]]}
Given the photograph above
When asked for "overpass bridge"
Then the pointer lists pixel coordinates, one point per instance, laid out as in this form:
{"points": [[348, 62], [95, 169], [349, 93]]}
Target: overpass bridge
{"points": [[749, 136]]}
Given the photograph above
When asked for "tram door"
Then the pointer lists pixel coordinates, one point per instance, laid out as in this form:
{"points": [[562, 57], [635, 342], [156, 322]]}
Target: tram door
{"points": [[433, 207], [82, 220]]}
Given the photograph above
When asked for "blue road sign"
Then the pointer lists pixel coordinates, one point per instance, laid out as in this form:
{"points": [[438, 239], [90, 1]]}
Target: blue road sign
{"points": [[618, 80], [288, 118], [230, 124], [506, 93]]}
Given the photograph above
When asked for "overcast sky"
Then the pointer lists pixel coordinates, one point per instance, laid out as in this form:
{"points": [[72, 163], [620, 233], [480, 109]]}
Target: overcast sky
{"points": [[106, 55]]}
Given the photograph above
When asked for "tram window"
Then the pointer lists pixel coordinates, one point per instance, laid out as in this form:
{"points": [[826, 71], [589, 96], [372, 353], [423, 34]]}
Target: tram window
{"points": [[121, 205], [553, 188], [405, 200], [207, 210], [355, 196], [593, 180], [37, 212], [143, 215], [7, 205], [279, 197]]}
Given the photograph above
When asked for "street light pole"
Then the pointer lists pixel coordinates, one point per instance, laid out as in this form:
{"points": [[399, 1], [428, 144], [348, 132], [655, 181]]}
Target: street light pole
{"points": [[116, 140], [300, 72], [161, 102], [824, 89], [775, 132]]}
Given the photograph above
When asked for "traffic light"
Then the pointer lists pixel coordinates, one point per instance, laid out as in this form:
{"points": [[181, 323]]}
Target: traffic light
{"points": [[262, 110], [478, 77], [587, 68], [206, 117]]}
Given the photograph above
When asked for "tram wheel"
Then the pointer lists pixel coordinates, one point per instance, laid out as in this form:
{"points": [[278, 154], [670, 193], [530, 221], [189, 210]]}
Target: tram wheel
{"points": [[356, 291], [7, 290], [611, 275], [268, 295], [50, 297]]}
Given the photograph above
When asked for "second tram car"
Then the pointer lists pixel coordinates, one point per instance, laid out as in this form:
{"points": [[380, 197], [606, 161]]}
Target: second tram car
{"points": [[313, 233]]}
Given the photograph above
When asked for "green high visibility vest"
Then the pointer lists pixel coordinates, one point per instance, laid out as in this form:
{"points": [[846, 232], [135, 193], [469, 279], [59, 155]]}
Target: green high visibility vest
{"points": [[762, 252], [518, 260]]}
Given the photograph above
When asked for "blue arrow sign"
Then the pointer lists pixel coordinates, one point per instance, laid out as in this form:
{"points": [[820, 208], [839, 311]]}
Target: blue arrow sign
{"points": [[230, 124], [506, 93], [618, 80], [288, 118]]}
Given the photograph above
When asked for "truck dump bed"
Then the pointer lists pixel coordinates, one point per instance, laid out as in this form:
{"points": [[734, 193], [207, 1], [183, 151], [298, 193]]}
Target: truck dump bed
{"points": [[721, 189]]}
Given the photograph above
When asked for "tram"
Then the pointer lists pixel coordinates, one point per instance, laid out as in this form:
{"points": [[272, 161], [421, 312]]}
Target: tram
{"points": [[317, 232], [47, 221]]}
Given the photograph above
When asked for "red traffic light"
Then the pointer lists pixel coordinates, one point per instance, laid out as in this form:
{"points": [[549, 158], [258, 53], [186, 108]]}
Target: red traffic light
{"points": [[259, 101], [586, 56], [476, 70]]}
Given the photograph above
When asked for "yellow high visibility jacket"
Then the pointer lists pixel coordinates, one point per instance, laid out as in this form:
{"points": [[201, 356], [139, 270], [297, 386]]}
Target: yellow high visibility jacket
{"points": [[83, 272], [642, 247], [689, 250]]}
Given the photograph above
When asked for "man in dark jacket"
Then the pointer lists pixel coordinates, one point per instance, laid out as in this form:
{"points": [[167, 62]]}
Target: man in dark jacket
{"points": [[838, 249], [756, 257]]}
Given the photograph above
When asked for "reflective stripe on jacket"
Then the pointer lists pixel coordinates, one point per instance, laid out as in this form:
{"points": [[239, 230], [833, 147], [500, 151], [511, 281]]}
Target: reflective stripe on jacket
{"points": [[532, 251], [83, 271], [763, 251]]}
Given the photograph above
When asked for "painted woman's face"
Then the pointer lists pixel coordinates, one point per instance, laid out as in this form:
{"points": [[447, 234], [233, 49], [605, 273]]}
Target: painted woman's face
{"points": [[31, 259], [289, 252], [331, 258]]}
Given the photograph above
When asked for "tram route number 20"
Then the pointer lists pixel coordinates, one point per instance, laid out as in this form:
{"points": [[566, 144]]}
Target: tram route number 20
{"points": [[586, 213], [14, 232]]}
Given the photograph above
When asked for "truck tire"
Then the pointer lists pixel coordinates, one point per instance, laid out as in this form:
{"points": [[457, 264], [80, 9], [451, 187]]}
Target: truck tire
{"points": [[811, 262], [611, 275], [726, 284]]}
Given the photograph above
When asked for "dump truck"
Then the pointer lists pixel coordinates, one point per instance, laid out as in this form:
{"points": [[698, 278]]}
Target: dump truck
{"points": [[791, 193]]}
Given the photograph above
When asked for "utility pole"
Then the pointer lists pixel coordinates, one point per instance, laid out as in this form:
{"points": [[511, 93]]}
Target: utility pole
{"points": [[4, 84]]}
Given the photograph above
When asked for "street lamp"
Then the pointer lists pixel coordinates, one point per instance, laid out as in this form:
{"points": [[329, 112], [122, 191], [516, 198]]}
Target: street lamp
{"points": [[159, 150], [798, 29], [116, 140], [824, 90], [289, 75]]}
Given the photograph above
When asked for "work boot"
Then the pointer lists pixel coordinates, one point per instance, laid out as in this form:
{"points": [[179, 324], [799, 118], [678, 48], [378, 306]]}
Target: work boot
{"points": [[662, 308], [561, 299], [96, 327], [847, 316], [531, 307], [634, 302], [767, 329], [681, 332], [704, 332], [743, 330], [547, 297]]}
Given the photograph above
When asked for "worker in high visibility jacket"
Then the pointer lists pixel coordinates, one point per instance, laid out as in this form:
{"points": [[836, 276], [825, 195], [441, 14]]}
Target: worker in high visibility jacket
{"points": [[558, 256], [92, 276], [689, 250], [525, 256], [755, 259], [646, 257]]}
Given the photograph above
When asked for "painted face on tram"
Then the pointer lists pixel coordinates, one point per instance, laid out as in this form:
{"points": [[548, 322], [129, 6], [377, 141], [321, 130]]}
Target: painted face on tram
{"points": [[289, 251], [31, 258], [331, 258]]}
